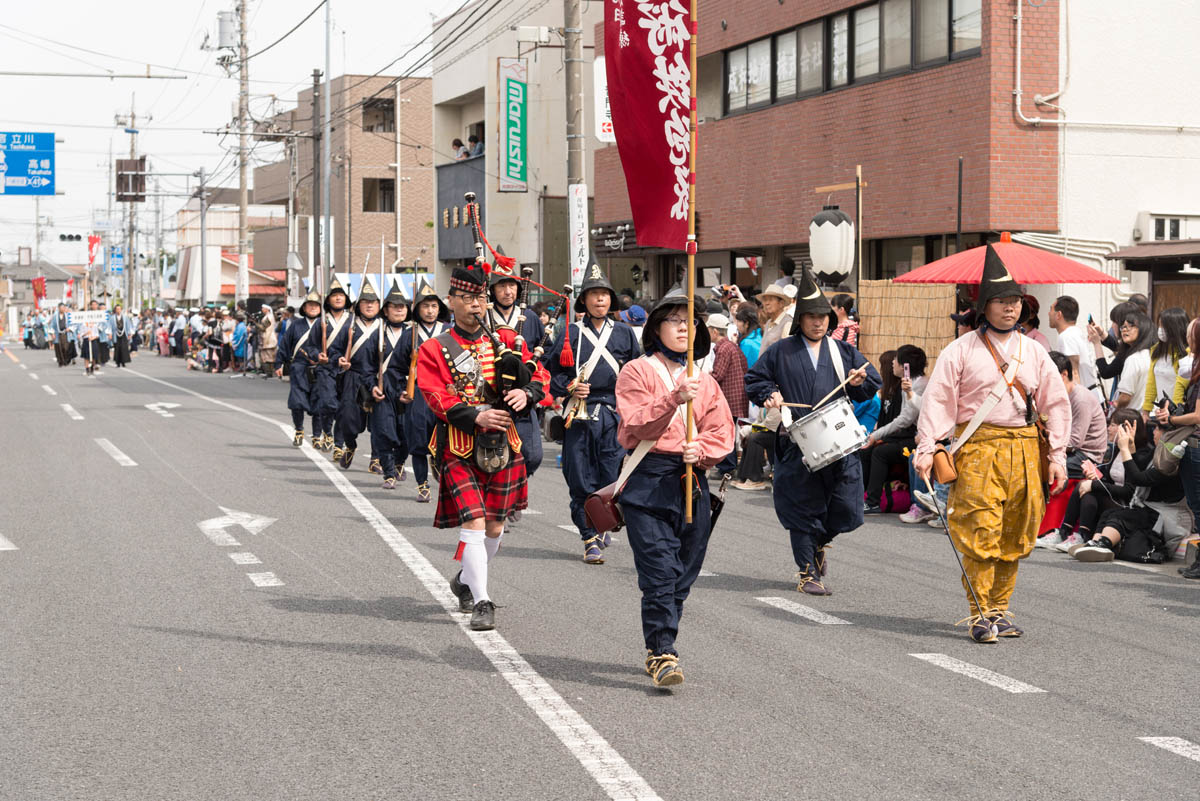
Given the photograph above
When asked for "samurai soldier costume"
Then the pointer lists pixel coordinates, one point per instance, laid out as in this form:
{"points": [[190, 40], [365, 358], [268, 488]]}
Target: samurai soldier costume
{"points": [[514, 324], [462, 374], [668, 552], [418, 420], [813, 506], [388, 444], [338, 318], [996, 505], [121, 328], [592, 352], [300, 348], [359, 362]]}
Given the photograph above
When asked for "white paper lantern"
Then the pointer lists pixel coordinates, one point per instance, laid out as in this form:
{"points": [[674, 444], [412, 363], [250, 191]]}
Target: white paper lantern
{"points": [[831, 245]]}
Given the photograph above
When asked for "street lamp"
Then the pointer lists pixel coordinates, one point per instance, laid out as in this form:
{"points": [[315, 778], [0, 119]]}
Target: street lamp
{"points": [[831, 245]]}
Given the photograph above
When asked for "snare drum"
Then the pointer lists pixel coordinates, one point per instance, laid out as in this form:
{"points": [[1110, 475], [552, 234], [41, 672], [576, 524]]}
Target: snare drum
{"points": [[827, 434]]}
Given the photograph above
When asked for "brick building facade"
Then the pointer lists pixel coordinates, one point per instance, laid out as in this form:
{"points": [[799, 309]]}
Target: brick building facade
{"points": [[903, 109]]}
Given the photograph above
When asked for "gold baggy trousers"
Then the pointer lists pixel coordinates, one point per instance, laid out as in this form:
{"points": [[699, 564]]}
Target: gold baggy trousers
{"points": [[995, 509]]}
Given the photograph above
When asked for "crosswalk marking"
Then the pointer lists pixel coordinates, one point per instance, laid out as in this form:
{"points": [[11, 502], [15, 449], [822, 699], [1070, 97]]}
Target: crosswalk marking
{"points": [[978, 673], [803, 611]]}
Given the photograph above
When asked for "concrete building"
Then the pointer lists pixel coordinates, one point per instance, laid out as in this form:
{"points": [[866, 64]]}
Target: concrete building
{"points": [[526, 217], [369, 206], [1063, 145]]}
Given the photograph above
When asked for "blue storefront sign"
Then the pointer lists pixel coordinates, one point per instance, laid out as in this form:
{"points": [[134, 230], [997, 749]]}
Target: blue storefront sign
{"points": [[26, 163]]}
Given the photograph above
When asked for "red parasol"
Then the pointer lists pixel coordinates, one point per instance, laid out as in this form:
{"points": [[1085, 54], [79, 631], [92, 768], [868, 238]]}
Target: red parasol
{"points": [[1028, 265]]}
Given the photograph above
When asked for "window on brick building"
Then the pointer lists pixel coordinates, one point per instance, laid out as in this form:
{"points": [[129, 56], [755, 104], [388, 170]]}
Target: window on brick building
{"points": [[866, 41], [379, 195], [758, 73], [379, 116], [967, 25], [933, 30], [735, 79], [839, 50], [812, 57], [785, 65], [897, 34]]}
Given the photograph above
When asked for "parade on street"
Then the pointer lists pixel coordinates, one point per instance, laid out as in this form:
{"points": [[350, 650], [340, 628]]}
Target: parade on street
{"points": [[635, 400]]}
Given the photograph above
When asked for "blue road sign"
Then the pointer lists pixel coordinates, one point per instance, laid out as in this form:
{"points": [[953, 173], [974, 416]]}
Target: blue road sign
{"points": [[116, 259], [26, 163]]}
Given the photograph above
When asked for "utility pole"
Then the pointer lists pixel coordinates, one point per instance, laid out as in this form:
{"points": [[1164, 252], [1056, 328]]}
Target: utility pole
{"points": [[152, 268], [242, 290], [316, 269], [326, 164], [203, 241], [37, 229], [576, 173], [290, 149], [129, 257]]}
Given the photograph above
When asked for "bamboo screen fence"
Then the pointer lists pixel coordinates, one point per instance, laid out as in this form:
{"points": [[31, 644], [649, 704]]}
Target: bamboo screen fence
{"points": [[892, 315]]}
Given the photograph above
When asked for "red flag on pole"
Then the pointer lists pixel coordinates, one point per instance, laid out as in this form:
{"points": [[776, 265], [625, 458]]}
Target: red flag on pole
{"points": [[93, 248], [647, 51]]}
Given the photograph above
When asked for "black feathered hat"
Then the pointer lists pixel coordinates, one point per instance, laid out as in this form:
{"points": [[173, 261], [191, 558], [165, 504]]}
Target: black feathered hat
{"points": [[996, 281], [594, 278], [471, 278], [675, 299], [426, 292]]}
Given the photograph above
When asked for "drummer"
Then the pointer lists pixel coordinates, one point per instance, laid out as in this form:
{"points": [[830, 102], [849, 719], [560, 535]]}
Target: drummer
{"points": [[802, 369]]}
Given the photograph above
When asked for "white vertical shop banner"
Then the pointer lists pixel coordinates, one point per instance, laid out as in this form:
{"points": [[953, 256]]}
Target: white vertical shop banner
{"points": [[577, 212], [514, 116], [603, 115]]}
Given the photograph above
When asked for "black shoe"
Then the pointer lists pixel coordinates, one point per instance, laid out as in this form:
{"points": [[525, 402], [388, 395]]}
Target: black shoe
{"points": [[466, 602], [483, 616], [1192, 571], [872, 509]]}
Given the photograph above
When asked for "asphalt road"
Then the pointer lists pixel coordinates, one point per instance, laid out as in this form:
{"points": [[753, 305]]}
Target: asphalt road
{"points": [[298, 644]]}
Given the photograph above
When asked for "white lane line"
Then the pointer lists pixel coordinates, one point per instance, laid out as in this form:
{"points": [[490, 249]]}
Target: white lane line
{"points": [[70, 410], [608, 768], [1146, 568], [33, 376], [708, 574], [571, 529], [245, 558], [115, 452], [530, 512], [49, 389], [23, 367], [979, 674], [6, 545], [807, 612], [1175, 745], [265, 579]]}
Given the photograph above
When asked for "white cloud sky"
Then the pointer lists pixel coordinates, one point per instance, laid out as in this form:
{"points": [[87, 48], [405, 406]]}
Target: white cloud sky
{"points": [[367, 35]]}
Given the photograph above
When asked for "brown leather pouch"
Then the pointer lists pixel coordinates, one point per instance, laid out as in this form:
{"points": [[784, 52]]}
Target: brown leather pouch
{"points": [[944, 471]]}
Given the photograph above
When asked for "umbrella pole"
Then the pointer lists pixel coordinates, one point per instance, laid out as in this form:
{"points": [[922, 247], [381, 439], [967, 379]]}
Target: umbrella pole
{"points": [[691, 262]]}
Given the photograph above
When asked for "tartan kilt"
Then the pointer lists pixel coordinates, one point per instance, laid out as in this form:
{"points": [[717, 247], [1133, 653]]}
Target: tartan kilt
{"points": [[467, 493]]}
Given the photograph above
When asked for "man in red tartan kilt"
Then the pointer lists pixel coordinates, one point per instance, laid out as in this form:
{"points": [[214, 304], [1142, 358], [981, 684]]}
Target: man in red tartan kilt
{"points": [[483, 478]]}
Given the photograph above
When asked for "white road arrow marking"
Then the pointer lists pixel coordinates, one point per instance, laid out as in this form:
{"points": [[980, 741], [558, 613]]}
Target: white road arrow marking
{"points": [[215, 529], [161, 408], [6, 545]]}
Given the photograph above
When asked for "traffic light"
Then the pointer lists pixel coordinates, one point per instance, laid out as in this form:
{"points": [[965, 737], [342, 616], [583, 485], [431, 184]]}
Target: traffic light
{"points": [[69, 238]]}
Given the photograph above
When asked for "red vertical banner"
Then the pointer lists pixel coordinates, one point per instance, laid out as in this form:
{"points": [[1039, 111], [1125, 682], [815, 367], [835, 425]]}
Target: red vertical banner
{"points": [[647, 50]]}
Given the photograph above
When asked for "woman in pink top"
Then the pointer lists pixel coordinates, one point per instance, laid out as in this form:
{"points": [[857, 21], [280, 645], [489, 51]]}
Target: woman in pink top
{"points": [[651, 395]]}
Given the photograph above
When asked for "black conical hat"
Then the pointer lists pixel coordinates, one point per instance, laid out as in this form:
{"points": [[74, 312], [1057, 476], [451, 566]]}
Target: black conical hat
{"points": [[674, 299], [594, 278], [367, 292], [996, 281], [336, 286], [423, 292], [809, 298], [395, 295]]}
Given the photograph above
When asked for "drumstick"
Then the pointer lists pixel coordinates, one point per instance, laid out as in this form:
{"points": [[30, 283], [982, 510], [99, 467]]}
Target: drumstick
{"points": [[836, 390], [798, 405]]}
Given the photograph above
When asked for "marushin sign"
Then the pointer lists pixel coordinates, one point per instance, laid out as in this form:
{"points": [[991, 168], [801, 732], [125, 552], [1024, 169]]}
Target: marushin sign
{"points": [[514, 113]]}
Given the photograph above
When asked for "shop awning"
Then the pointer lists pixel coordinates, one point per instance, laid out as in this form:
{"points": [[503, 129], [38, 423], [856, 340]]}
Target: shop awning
{"points": [[1168, 251]]}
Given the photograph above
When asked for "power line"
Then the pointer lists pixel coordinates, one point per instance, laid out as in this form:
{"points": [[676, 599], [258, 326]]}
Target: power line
{"points": [[289, 33]]}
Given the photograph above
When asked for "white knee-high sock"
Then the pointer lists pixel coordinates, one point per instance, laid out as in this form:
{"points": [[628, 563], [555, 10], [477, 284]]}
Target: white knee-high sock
{"points": [[474, 563], [492, 544]]}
